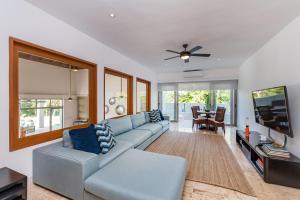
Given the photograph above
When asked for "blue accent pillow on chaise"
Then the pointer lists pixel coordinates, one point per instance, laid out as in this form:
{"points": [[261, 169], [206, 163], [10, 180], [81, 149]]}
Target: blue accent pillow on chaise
{"points": [[85, 139]]}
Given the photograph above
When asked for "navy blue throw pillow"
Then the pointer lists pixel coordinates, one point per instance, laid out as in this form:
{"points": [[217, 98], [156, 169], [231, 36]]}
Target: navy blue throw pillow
{"points": [[161, 115], [85, 139]]}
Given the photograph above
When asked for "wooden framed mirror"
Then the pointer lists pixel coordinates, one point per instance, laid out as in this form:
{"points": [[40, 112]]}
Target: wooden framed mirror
{"points": [[118, 93], [49, 92], [143, 95]]}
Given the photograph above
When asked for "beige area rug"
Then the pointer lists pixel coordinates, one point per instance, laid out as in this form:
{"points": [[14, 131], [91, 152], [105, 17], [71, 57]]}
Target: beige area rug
{"points": [[210, 159]]}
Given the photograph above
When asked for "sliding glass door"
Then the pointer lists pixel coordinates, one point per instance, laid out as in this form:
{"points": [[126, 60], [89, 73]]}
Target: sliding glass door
{"points": [[168, 104], [223, 98], [176, 99], [168, 101]]}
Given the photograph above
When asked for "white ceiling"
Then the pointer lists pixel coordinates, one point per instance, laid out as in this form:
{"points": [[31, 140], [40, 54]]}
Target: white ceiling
{"points": [[231, 30]]}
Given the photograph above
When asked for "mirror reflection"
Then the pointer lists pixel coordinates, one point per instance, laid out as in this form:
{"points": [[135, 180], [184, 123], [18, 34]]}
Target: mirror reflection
{"points": [[115, 96], [52, 95]]}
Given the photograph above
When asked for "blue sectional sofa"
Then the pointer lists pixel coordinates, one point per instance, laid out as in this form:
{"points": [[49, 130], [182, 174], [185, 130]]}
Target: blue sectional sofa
{"points": [[125, 172]]}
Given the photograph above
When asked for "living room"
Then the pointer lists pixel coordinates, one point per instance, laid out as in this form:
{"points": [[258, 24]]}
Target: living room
{"points": [[132, 71]]}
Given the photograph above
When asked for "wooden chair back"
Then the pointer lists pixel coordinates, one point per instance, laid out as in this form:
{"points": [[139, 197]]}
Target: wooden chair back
{"points": [[195, 112], [220, 114]]}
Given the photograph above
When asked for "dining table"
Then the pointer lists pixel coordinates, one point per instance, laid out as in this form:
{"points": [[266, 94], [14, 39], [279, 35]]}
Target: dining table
{"points": [[208, 114]]}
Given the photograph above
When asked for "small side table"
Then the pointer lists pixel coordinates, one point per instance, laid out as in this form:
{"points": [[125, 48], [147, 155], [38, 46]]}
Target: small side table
{"points": [[13, 185]]}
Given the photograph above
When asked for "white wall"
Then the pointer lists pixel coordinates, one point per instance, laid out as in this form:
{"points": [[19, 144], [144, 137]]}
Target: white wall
{"points": [[206, 75], [24, 21], [276, 63]]}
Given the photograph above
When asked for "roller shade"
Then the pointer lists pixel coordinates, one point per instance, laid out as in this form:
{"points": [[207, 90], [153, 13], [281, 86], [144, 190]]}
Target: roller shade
{"points": [[191, 86]]}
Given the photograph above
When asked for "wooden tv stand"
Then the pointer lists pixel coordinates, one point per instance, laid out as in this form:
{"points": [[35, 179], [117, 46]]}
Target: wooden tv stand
{"points": [[281, 171]]}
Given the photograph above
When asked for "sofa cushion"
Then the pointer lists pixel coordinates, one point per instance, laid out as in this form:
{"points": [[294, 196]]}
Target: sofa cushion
{"points": [[162, 177], [135, 137], [120, 125], [120, 147], [138, 120], [85, 139], [153, 127], [147, 116]]}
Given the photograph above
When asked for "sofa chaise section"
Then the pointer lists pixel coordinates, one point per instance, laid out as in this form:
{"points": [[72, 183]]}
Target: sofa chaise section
{"points": [[138, 175]]}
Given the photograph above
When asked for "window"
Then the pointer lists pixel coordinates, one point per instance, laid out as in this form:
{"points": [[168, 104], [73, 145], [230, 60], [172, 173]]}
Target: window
{"points": [[117, 94], [39, 115], [143, 95], [49, 92]]}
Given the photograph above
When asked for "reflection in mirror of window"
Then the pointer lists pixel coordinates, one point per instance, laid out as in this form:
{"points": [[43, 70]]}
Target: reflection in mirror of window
{"points": [[116, 99], [52, 95]]}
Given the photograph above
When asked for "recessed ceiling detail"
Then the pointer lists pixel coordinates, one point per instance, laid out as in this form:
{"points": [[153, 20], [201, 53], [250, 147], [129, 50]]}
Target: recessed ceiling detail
{"points": [[232, 30]]}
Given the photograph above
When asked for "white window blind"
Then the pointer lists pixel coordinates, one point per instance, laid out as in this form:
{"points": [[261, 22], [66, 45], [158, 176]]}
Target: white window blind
{"points": [[191, 86]]}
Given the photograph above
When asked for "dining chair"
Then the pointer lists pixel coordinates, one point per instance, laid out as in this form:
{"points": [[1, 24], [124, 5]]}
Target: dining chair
{"points": [[218, 120], [197, 107], [198, 120]]}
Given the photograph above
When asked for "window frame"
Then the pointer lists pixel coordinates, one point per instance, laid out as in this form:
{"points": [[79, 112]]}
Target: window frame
{"points": [[148, 93], [129, 78], [16, 46]]}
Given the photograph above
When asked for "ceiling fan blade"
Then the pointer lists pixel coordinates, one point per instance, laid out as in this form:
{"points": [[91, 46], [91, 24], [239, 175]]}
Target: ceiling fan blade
{"points": [[196, 48], [172, 57], [186, 60], [200, 54], [172, 51]]}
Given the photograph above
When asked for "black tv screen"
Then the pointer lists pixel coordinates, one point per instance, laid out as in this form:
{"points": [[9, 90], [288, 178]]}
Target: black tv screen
{"points": [[271, 109]]}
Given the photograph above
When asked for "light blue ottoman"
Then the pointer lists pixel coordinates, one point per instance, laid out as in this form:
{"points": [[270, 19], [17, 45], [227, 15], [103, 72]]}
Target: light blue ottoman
{"points": [[138, 175]]}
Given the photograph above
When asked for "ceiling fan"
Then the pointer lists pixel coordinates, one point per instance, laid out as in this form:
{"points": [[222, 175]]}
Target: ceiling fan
{"points": [[185, 54]]}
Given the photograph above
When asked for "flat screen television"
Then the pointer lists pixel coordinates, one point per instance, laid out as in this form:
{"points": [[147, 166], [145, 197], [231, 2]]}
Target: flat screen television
{"points": [[271, 109]]}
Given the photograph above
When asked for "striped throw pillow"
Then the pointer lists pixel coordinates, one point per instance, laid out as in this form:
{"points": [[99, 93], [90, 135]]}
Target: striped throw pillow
{"points": [[105, 138], [155, 116]]}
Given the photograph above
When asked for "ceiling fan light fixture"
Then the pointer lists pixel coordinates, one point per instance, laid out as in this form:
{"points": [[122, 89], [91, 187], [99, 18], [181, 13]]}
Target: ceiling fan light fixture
{"points": [[185, 56], [112, 15]]}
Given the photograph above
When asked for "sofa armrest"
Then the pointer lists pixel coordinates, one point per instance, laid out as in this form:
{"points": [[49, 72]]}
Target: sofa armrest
{"points": [[166, 117], [63, 170]]}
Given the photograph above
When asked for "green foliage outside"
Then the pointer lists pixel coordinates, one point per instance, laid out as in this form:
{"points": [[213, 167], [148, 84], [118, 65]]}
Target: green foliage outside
{"points": [[27, 104], [204, 97], [269, 92], [28, 107], [223, 96]]}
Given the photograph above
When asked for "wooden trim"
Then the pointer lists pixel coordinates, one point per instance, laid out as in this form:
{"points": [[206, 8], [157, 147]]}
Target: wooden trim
{"points": [[17, 45], [129, 88], [148, 93]]}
